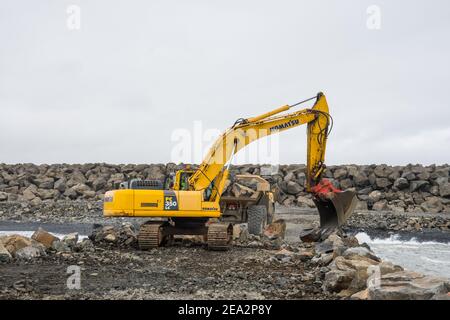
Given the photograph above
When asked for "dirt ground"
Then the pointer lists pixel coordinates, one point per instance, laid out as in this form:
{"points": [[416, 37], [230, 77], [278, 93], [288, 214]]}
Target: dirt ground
{"points": [[178, 272], [165, 273]]}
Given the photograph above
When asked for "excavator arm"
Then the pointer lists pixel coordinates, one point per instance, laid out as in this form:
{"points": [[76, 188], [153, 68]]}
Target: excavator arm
{"points": [[246, 131], [334, 205]]}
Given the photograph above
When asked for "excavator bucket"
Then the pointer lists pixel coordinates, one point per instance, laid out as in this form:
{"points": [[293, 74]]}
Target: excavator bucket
{"points": [[334, 205]]}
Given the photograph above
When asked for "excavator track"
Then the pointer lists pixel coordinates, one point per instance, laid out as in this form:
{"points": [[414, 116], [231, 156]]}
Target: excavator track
{"points": [[219, 236], [150, 235]]}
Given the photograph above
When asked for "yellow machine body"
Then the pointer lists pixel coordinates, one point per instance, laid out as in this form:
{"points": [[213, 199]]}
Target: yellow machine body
{"points": [[159, 203]]}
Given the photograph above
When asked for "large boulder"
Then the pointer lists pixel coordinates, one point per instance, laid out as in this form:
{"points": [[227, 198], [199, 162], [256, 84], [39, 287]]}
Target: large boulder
{"points": [[380, 206], [60, 185], [408, 285], [361, 270], [340, 173], [99, 183], [240, 190], [337, 280], [293, 188], [305, 202], [418, 185], [44, 183], [276, 229], [80, 188], [382, 183], [5, 256], [375, 196], [121, 236], [3, 196], [352, 253], [44, 237], [30, 193], [433, 205], [71, 239], [444, 189], [361, 180], [401, 183], [30, 252], [22, 247], [47, 193], [14, 242]]}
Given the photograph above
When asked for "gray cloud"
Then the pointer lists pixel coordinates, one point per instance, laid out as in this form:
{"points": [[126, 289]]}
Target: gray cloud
{"points": [[115, 90]]}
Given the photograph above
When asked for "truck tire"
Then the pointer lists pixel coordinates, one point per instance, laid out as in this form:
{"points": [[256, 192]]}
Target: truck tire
{"points": [[257, 218]]}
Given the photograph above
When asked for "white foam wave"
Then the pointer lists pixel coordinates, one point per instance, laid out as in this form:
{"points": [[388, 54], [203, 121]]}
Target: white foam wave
{"points": [[28, 234]]}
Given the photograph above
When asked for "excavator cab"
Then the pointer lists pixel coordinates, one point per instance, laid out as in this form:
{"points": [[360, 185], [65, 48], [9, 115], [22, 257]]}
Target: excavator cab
{"points": [[334, 205]]}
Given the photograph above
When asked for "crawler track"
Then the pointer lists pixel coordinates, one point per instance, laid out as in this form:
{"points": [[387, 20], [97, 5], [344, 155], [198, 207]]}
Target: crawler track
{"points": [[150, 235], [219, 236]]}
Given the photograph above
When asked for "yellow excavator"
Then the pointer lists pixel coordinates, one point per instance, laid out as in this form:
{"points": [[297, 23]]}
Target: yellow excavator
{"points": [[190, 205]]}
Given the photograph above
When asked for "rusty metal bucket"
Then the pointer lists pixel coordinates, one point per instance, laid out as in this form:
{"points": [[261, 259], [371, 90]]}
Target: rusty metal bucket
{"points": [[335, 208]]}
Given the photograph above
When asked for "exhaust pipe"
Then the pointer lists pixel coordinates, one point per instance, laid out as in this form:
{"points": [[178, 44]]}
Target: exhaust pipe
{"points": [[334, 205]]}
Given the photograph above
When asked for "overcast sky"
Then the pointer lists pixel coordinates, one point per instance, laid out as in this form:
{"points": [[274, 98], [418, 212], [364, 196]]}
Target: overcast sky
{"points": [[117, 88]]}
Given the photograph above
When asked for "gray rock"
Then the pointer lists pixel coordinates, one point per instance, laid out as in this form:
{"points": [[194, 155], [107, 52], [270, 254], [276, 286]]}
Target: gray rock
{"points": [[337, 280], [29, 252], [418, 185], [293, 188], [5, 256], [340, 173], [382, 171], [423, 175], [401, 183], [361, 206], [60, 246], [80, 188], [360, 251], [382, 183], [444, 190], [301, 179], [44, 183], [71, 193], [85, 245], [381, 205], [268, 170], [3, 196], [71, 239], [433, 205], [324, 247], [239, 190], [361, 180], [346, 184], [30, 192], [60, 185], [89, 194], [289, 176], [407, 285], [47, 194], [408, 175], [310, 234], [440, 173], [305, 202], [99, 183], [375, 196]]}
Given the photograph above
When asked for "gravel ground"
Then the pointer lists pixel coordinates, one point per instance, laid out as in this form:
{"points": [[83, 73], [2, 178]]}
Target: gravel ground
{"points": [[165, 273], [178, 272]]}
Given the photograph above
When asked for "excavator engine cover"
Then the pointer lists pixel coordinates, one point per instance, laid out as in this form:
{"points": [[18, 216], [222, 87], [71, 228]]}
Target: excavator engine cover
{"points": [[334, 205]]}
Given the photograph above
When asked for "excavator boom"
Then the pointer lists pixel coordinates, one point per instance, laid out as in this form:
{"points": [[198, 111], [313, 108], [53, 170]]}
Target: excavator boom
{"points": [[334, 205]]}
